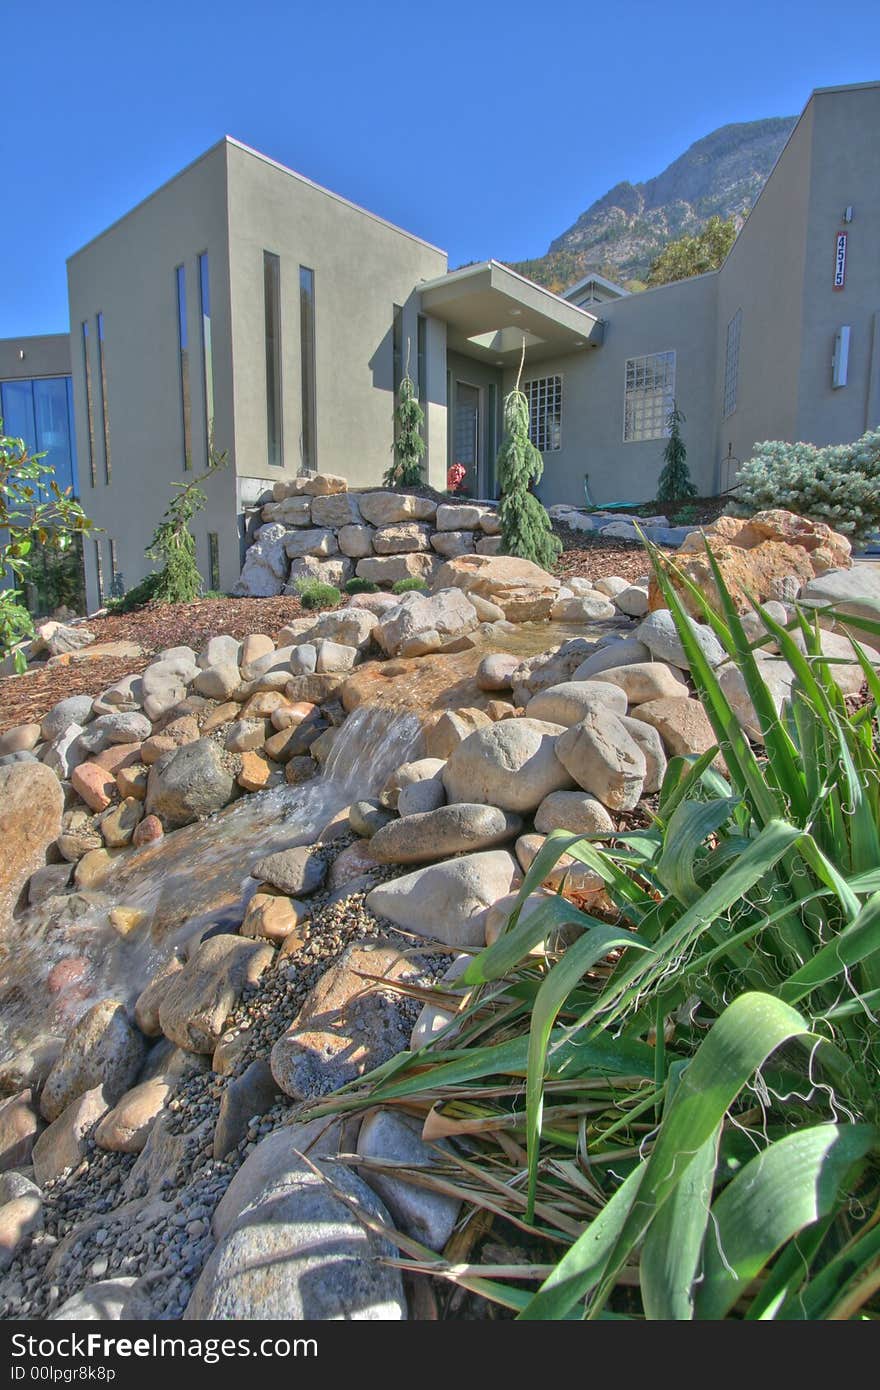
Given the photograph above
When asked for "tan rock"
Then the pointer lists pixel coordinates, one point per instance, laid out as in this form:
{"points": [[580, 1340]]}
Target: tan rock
{"points": [[388, 569], [95, 867], [577, 812], [682, 724], [567, 874], [604, 759], [146, 1009], [645, 680], [126, 1128], [132, 781], [451, 728], [257, 772], [120, 822], [22, 738], [523, 591], [254, 646], [272, 916], [31, 806], [117, 756], [19, 1220], [62, 1143], [152, 749], [223, 714], [103, 1049], [19, 1126], [199, 999]]}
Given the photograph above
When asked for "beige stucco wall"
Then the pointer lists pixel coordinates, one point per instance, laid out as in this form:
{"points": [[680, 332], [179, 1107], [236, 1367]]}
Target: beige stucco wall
{"points": [[845, 172], [764, 276], [128, 273], [363, 267], [47, 354], [679, 317]]}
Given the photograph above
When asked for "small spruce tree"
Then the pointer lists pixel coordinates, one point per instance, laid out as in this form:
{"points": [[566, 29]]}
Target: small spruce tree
{"points": [[675, 479], [179, 581], [525, 526], [409, 446]]}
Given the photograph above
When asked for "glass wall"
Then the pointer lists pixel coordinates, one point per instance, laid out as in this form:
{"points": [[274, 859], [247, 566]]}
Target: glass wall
{"points": [[307, 352], [272, 292], [102, 384], [40, 411], [207, 353], [183, 351]]}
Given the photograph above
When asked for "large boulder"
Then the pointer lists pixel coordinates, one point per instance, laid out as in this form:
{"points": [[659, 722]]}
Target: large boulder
{"points": [[681, 722], [660, 635], [291, 1250], [265, 565], [336, 510], [194, 781], [401, 538], [388, 569], [604, 759], [523, 591], [31, 807], [644, 680], [855, 592], [568, 703], [347, 1025], [387, 508], [436, 834], [422, 624], [447, 902], [511, 765], [317, 540]]}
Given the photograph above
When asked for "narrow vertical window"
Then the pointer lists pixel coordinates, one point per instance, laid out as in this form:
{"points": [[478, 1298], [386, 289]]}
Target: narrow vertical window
{"points": [[272, 294], [116, 588], [731, 365], [99, 571], [183, 350], [102, 384], [307, 353], [397, 351], [213, 561], [422, 365], [207, 353], [90, 413]]}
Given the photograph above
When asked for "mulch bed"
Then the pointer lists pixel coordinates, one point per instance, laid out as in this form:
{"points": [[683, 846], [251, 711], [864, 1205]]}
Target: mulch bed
{"points": [[587, 555], [27, 698]]}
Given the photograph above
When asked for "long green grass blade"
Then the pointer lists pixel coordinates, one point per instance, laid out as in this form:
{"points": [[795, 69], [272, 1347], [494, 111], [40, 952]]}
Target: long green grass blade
{"points": [[673, 1247]]}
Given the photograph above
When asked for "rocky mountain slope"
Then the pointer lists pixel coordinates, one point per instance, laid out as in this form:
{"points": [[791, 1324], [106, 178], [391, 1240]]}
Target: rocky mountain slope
{"points": [[620, 234]]}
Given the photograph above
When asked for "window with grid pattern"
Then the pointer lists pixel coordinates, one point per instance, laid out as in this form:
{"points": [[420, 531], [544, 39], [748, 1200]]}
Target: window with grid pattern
{"points": [[544, 396], [731, 364], [649, 395]]}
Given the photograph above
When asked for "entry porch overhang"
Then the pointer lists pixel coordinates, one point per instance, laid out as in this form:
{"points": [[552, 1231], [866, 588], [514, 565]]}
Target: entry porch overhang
{"points": [[488, 309]]}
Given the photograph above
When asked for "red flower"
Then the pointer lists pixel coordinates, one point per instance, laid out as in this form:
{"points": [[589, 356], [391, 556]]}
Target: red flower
{"points": [[455, 476]]}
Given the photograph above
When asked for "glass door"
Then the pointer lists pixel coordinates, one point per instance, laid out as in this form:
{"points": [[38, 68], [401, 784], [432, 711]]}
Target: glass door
{"points": [[466, 436]]}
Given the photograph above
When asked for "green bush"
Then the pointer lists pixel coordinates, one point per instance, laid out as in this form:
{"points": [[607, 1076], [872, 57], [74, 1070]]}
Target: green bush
{"points": [[314, 593], [526, 529], [179, 581], [134, 598], [407, 586], [361, 586], [838, 484]]}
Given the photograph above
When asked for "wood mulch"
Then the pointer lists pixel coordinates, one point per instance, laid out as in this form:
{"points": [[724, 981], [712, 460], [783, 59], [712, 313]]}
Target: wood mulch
{"points": [[589, 556], [27, 698]]}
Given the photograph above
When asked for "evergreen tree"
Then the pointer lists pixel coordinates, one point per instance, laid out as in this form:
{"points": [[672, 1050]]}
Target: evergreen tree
{"points": [[179, 581], [409, 446], [675, 479], [525, 525]]}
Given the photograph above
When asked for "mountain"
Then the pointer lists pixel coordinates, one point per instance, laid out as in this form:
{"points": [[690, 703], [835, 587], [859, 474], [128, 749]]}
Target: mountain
{"points": [[620, 234]]}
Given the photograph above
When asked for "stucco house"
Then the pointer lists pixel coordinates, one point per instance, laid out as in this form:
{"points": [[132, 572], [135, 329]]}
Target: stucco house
{"points": [[244, 308]]}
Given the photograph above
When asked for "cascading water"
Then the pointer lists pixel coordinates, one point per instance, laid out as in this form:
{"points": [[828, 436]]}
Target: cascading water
{"points": [[59, 958]]}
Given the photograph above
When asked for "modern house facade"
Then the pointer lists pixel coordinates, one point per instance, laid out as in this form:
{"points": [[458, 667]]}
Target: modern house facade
{"points": [[244, 309]]}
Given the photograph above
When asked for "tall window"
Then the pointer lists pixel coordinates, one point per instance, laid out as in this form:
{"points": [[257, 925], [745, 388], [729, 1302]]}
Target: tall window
{"points": [[731, 364], [102, 381], [207, 353], [649, 395], [116, 588], [422, 355], [544, 396], [90, 413], [183, 351], [272, 294], [99, 570], [307, 355], [213, 560], [40, 411]]}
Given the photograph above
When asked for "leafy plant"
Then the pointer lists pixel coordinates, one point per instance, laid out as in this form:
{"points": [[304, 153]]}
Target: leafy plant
{"points": [[314, 593], [361, 586], [173, 544], [525, 526], [34, 513], [838, 484], [685, 516], [411, 585], [409, 446], [675, 480], [698, 1056], [693, 254]]}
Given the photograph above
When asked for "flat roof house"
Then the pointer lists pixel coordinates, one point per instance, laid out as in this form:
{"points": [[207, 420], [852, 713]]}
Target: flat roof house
{"points": [[243, 308]]}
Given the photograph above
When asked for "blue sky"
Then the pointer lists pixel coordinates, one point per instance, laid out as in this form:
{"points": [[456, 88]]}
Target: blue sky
{"points": [[485, 128]]}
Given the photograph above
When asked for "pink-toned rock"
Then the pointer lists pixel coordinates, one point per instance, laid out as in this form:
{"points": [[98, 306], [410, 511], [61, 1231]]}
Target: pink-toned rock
{"points": [[95, 785], [149, 830], [354, 862], [31, 806], [19, 1126], [117, 756], [126, 1128]]}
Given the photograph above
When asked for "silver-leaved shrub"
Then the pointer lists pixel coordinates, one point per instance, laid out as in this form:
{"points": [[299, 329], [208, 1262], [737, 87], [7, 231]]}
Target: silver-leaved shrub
{"points": [[838, 484]]}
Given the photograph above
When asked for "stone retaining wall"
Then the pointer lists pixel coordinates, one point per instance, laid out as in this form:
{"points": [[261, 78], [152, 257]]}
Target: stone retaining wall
{"points": [[315, 528]]}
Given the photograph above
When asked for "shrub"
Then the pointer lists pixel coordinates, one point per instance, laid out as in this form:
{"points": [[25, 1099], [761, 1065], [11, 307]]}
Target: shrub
{"points": [[409, 446], [525, 526], [137, 597], [361, 586], [314, 593], [406, 586], [838, 484], [34, 513], [179, 581], [675, 479]]}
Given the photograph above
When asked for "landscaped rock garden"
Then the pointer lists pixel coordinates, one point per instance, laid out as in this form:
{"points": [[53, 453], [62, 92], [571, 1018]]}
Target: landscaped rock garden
{"points": [[157, 1154]]}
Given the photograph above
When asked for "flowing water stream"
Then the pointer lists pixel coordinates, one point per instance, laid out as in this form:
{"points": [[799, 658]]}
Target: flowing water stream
{"points": [[60, 957]]}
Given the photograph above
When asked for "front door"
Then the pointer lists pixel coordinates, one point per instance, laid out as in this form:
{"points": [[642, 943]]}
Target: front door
{"points": [[467, 435]]}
